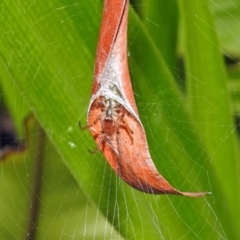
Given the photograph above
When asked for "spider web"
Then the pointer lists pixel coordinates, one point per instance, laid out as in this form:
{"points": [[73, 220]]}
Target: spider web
{"points": [[108, 208]]}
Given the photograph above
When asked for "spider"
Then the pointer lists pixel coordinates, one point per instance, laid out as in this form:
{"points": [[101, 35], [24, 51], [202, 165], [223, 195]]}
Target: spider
{"points": [[111, 115]]}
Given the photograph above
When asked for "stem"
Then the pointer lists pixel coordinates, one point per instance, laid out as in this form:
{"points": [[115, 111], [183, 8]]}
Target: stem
{"points": [[36, 190]]}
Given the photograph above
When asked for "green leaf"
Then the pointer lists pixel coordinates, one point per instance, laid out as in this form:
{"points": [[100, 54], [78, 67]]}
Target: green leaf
{"points": [[161, 21], [227, 17], [210, 105], [234, 86], [63, 204]]}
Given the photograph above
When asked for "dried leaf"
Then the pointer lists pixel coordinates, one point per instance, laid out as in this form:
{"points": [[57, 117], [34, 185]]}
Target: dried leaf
{"points": [[113, 119]]}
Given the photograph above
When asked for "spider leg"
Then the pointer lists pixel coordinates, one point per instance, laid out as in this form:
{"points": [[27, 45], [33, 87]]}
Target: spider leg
{"points": [[94, 151], [118, 149], [99, 143], [91, 124], [102, 141], [126, 128]]}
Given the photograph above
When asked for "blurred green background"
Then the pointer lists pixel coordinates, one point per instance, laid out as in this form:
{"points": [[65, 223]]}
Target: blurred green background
{"points": [[184, 64]]}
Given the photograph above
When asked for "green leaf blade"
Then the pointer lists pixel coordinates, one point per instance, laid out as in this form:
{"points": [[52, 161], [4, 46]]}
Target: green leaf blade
{"points": [[210, 105]]}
